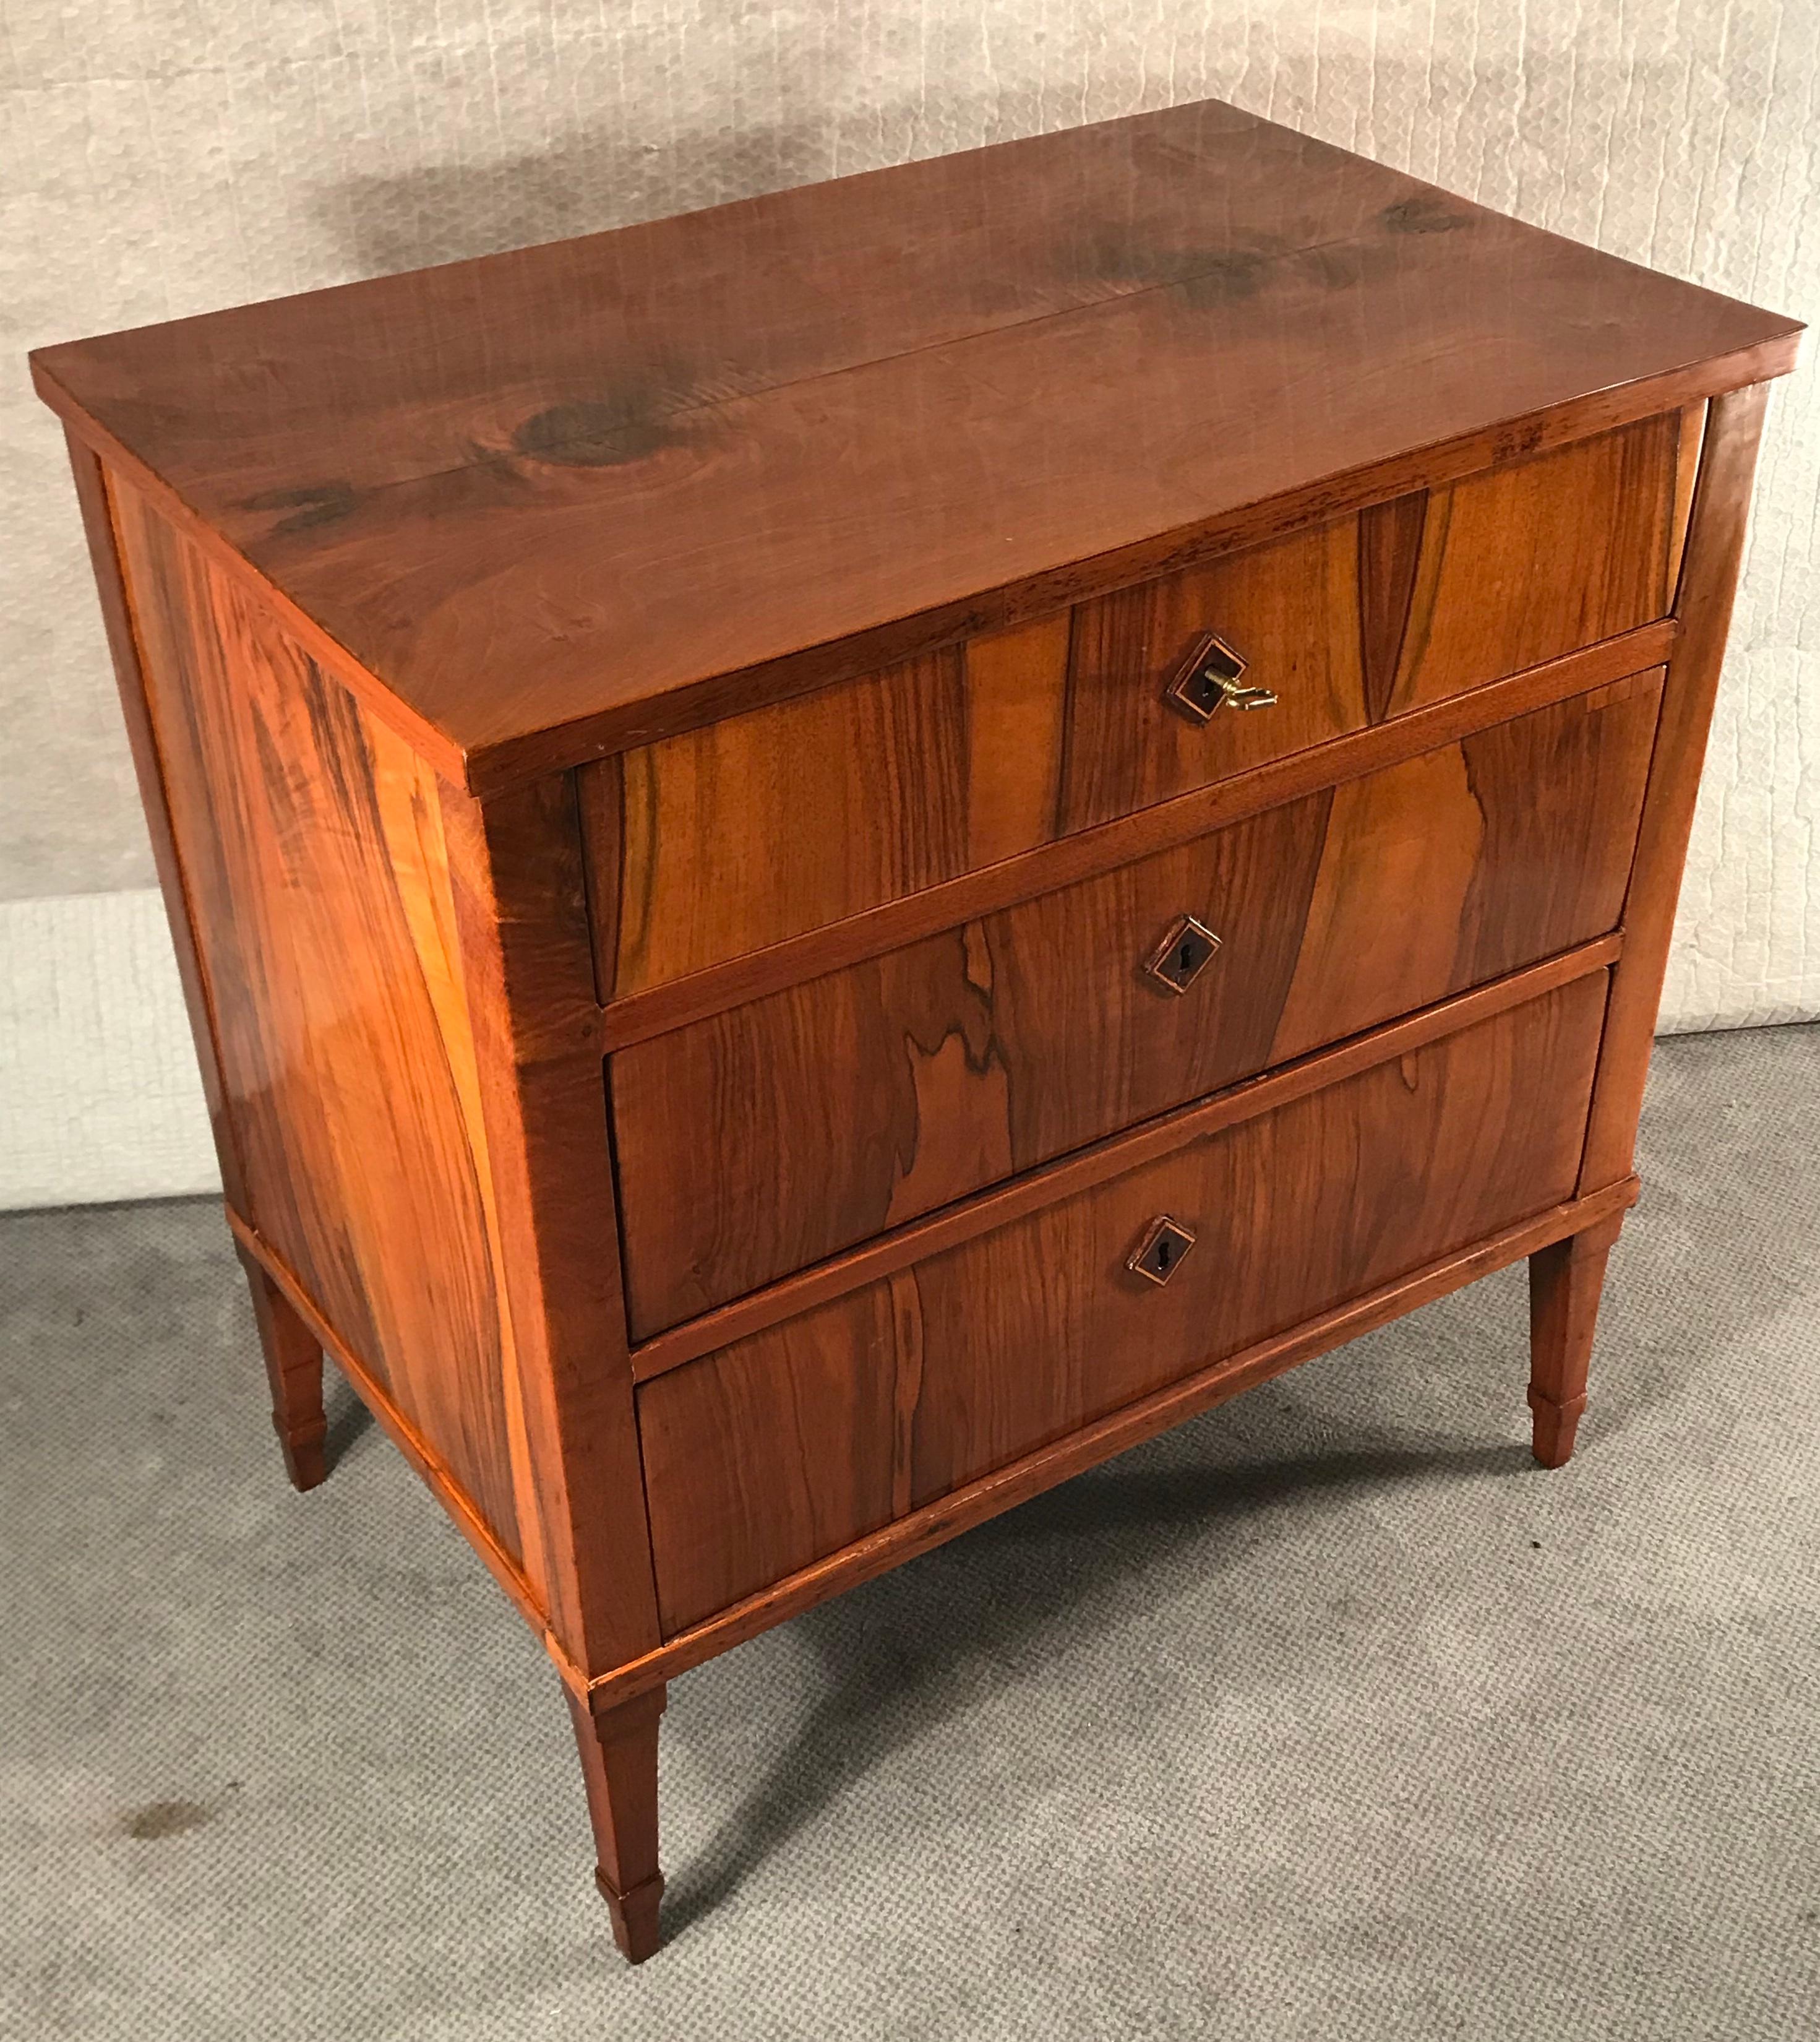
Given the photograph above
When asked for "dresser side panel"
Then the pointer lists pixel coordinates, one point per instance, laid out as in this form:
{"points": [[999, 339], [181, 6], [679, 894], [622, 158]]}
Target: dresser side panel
{"points": [[311, 846]]}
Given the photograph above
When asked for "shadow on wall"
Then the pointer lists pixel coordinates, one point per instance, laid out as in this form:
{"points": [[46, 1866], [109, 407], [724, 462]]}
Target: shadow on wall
{"points": [[583, 183]]}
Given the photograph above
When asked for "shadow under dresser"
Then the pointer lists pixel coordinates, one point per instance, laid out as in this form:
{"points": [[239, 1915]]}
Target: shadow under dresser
{"points": [[833, 857]]}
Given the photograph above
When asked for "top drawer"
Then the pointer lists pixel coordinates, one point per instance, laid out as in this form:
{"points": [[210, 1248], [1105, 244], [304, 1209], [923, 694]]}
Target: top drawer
{"points": [[708, 846]]}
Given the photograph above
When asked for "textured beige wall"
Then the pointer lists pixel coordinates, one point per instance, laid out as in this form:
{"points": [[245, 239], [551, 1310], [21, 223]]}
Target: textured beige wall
{"points": [[159, 157]]}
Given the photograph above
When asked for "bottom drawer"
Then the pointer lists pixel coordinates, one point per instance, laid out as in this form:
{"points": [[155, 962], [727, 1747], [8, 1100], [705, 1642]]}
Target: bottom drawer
{"points": [[788, 1445]]}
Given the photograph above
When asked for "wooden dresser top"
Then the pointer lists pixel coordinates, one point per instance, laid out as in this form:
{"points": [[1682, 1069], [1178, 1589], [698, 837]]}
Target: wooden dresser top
{"points": [[540, 506]]}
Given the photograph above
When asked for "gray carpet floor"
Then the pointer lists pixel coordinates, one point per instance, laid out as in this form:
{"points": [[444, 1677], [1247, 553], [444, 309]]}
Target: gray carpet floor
{"points": [[1327, 1716]]}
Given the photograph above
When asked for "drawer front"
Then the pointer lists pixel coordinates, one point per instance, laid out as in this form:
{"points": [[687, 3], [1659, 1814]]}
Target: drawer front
{"points": [[765, 1137], [715, 843], [788, 1445]]}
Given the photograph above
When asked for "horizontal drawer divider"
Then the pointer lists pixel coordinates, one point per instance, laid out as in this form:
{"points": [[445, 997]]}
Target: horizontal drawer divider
{"points": [[1018, 1481], [657, 1009], [1111, 1157]]}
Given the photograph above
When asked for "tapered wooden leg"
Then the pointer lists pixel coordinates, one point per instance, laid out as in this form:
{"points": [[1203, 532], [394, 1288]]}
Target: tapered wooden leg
{"points": [[619, 1762], [1564, 1285], [294, 1368]]}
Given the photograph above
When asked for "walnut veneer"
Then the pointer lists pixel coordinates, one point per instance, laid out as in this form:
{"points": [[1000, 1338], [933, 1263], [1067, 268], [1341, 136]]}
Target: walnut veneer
{"points": [[766, 987]]}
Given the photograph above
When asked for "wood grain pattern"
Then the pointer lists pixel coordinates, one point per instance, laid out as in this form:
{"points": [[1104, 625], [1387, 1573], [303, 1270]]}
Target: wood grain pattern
{"points": [[757, 828], [1714, 550], [518, 891], [1390, 549], [1103, 380], [310, 845], [637, 1017], [917, 488], [749, 831], [507, 1568], [728, 302], [932, 1525], [769, 1136], [1291, 610], [1524, 562], [1016, 1198], [1470, 861], [821, 1389], [1030, 1333]]}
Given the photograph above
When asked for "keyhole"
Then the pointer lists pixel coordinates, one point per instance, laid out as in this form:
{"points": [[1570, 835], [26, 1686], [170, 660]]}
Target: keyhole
{"points": [[1183, 954], [1164, 1245]]}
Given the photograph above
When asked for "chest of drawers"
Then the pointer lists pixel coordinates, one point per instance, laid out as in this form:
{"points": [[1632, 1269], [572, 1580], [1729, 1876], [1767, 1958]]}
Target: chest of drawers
{"points": [[833, 858]]}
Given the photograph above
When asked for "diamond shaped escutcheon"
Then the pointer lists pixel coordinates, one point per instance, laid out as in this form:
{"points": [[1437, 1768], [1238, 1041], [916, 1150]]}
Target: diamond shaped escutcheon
{"points": [[1162, 1250], [1183, 954]]}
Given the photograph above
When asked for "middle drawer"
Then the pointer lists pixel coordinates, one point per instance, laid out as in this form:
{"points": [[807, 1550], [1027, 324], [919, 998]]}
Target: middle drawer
{"points": [[761, 1139]]}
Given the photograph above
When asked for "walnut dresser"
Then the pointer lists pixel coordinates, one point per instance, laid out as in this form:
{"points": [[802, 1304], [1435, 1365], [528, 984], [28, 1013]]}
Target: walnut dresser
{"points": [[834, 857]]}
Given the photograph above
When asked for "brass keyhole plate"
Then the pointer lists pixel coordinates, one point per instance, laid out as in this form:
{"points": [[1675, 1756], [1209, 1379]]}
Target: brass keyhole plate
{"points": [[1162, 1252], [1202, 681], [1183, 954]]}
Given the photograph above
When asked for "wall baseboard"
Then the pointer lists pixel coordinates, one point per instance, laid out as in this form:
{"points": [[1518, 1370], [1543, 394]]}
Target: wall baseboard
{"points": [[99, 1095]]}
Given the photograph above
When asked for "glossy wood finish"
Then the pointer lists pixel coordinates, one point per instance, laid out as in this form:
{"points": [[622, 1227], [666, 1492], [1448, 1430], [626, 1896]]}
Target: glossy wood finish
{"points": [[1523, 564], [639, 1016], [745, 834], [766, 1137], [517, 892], [505, 1566], [898, 1392], [1565, 1279], [1703, 603], [905, 1537], [1155, 342], [1015, 1197], [1413, 601], [421, 593], [312, 860], [717, 304], [618, 1747]]}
